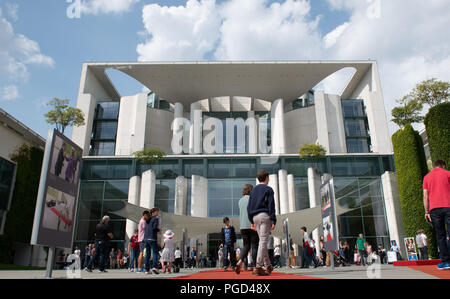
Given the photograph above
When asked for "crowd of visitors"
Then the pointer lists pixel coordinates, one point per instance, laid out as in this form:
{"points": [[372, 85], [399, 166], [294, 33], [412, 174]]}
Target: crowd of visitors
{"points": [[259, 253]]}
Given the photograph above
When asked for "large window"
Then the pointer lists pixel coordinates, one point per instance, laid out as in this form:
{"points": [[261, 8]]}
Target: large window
{"points": [[224, 195], [356, 126], [104, 130]]}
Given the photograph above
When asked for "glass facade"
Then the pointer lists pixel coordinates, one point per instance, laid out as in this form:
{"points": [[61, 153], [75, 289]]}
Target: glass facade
{"points": [[104, 187], [103, 138], [356, 126], [6, 179]]}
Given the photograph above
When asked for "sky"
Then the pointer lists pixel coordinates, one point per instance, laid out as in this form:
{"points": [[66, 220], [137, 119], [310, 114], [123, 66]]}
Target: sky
{"points": [[44, 43]]}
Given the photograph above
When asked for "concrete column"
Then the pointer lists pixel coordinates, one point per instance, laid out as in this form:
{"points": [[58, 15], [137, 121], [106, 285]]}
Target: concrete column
{"points": [[321, 120], [283, 191], [252, 139], [181, 196], [291, 193], [195, 135], [199, 196], [132, 125], [134, 191], [278, 131], [178, 124], [314, 183], [273, 182], [39, 256], [393, 209], [148, 189]]}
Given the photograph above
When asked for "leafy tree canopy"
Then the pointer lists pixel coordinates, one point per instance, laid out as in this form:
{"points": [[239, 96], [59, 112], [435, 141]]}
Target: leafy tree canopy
{"points": [[431, 92], [408, 113], [314, 151], [63, 116], [149, 156]]}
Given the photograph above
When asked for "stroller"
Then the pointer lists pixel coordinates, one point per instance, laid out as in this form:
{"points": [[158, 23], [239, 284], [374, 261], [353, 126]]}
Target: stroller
{"points": [[339, 260]]}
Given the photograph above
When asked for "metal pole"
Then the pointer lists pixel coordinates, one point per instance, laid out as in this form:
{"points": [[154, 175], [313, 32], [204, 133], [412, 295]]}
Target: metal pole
{"points": [[50, 262], [332, 260]]}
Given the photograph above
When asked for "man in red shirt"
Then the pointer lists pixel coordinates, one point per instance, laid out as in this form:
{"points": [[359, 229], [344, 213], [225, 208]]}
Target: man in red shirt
{"points": [[436, 200]]}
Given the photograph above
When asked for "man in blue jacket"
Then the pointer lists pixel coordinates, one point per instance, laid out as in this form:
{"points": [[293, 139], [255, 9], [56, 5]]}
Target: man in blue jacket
{"points": [[150, 239], [261, 213]]}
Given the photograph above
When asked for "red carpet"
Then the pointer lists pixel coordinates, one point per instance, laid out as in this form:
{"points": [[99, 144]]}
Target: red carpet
{"points": [[417, 263], [220, 274], [432, 270]]}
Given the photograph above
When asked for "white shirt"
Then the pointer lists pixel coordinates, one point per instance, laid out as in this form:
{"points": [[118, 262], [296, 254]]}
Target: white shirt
{"points": [[77, 252], [421, 240], [177, 253], [276, 251], [395, 248]]}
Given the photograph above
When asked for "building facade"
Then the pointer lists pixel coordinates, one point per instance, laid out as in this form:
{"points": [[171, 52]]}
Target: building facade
{"points": [[221, 122], [14, 134]]}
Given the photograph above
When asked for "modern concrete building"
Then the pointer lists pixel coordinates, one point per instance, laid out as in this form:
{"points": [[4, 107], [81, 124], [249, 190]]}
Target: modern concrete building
{"points": [[14, 134], [272, 110]]}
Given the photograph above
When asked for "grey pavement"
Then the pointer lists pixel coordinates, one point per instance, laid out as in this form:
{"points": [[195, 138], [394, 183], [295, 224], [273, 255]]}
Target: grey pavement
{"points": [[353, 272]]}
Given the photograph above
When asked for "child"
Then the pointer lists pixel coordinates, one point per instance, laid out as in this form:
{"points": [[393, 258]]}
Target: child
{"points": [[228, 241], [168, 255]]}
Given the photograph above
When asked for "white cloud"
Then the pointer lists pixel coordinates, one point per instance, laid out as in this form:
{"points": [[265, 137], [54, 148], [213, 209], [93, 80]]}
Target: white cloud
{"points": [[331, 38], [252, 30], [180, 32], [97, 7], [17, 51], [410, 43], [409, 39], [9, 93], [12, 9]]}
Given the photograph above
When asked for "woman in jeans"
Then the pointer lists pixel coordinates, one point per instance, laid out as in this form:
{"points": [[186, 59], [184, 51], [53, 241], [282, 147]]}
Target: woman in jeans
{"points": [[250, 237]]}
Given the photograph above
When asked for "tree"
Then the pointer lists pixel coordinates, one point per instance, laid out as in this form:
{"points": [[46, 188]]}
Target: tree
{"points": [[411, 167], [408, 112], [149, 156], [431, 92], [437, 124], [312, 151], [63, 116]]}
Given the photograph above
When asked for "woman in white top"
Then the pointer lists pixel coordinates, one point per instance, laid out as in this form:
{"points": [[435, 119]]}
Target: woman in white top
{"points": [[168, 256]]}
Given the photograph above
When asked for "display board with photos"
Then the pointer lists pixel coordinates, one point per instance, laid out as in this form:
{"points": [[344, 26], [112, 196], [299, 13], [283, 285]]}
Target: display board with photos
{"points": [[411, 251], [56, 210], [328, 216]]}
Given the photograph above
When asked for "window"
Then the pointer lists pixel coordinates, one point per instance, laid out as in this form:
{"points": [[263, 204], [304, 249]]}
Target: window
{"points": [[104, 129], [356, 126]]}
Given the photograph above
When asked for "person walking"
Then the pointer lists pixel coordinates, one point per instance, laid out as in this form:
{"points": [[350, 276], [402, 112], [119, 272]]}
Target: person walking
{"points": [[87, 255], [229, 242], [436, 201], [133, 251], [422, 244], [193, 258], [220, 256], [168, 254], [112, 259], [306, 261], [361, 245], [103, 235], [261, 213], [291, 261], [150, 237], [277, 256], [141, 233], [271, 249], [249, 236], [119, 259], [178, 259]]}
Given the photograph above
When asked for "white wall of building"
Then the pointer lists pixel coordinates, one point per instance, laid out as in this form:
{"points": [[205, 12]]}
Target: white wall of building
{"points": [[131, 125], [300, 128]]}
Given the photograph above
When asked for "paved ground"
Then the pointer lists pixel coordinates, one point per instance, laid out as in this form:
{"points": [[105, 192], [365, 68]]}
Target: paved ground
{"points": [[353, 272]]}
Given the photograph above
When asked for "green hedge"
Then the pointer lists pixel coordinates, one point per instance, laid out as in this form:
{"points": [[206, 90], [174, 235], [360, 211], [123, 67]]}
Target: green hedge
{"points": [[437, 123], [411, 167]]}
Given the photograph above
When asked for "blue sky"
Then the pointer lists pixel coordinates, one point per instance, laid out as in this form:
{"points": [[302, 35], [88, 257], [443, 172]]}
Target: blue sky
{"points": [[64, 44]]}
